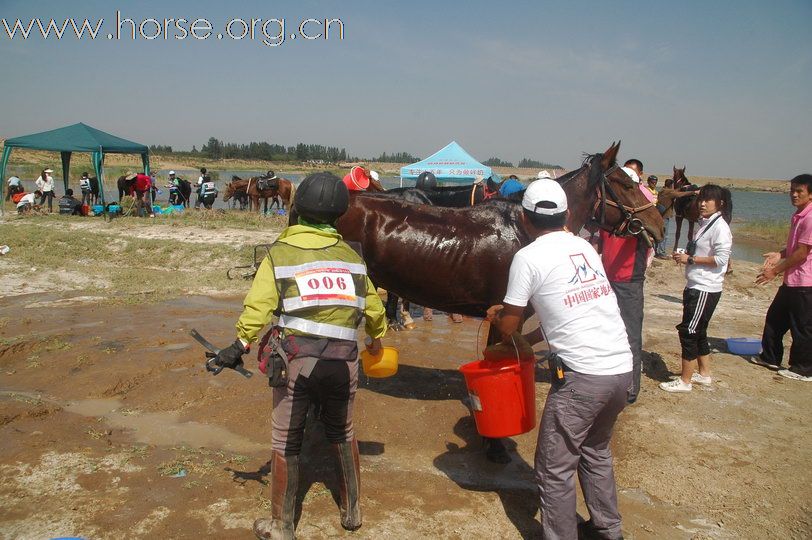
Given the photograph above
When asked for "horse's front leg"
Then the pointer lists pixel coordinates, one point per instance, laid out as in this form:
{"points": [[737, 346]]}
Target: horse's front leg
{"points": [[691, 230], [678, 220]]}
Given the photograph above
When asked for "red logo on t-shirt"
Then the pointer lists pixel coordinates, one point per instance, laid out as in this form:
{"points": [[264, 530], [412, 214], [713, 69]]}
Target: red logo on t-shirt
{"points": [[584, 273]]}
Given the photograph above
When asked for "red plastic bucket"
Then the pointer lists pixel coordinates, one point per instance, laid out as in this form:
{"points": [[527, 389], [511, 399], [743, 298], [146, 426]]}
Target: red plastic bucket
{"points": [[503, 396], [356, 180]]}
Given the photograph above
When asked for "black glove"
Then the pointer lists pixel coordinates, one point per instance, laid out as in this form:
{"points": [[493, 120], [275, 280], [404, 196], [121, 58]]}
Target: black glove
{"points": [[231, 356]]}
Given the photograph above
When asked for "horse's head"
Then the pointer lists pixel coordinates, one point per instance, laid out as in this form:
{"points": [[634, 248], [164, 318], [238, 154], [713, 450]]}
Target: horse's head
{"points": [[493, 186], [230, 188], [620, 206], [679, 177]]}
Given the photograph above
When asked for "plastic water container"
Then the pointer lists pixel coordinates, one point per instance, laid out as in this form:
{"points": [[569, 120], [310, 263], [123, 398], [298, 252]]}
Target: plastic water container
{"points": [[743, 346], [114, 208], [98, 209], [381, 365], [503, 396]]}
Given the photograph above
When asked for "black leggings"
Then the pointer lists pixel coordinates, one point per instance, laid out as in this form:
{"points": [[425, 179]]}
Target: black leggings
{"points": [[50, 196]]}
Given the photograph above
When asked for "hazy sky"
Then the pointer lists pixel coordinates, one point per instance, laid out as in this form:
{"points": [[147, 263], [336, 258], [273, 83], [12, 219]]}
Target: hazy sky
{"points": [[721, 86]]}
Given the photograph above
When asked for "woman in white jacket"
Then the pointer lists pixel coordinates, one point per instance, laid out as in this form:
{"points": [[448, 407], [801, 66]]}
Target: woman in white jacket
{"points": [[45, 184], [706, 260]]}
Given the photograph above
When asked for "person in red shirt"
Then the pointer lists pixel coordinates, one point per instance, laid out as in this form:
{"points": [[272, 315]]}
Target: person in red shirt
{"points": [[140, 190], [625, 259]]}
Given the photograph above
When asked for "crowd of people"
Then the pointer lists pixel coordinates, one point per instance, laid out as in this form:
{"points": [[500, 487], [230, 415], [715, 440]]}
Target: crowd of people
{"points": [[141, 186]]}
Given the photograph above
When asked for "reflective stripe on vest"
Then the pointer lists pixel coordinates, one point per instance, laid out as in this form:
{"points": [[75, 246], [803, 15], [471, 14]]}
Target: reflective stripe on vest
{"points": [[318, 329], [321, 291]]}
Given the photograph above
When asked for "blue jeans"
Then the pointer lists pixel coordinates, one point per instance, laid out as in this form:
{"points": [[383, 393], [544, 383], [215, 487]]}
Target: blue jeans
{"points": [[659, 247]]}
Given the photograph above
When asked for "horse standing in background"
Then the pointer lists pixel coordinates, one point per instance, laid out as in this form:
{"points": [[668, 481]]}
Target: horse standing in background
{"points": [[684, 207], [284, 189]]}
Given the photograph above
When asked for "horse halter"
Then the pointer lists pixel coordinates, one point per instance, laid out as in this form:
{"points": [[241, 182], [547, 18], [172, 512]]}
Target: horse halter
{"points": [[630, 226]]}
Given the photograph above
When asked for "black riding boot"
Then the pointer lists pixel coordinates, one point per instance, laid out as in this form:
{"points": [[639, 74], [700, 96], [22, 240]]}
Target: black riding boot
{"points": [[284, 485], [349, 479]]}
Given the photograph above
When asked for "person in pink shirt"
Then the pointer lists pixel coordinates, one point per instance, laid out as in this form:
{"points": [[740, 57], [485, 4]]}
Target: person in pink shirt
{"points": [[792, 306]]}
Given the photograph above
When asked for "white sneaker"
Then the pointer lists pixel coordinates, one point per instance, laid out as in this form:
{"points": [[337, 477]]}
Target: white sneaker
{"points": [[700, 379], [795, 376], [675, 386]]}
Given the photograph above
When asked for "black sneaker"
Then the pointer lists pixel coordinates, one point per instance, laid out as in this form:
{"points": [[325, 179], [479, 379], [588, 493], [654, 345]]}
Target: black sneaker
{"points": [[587, 531]]}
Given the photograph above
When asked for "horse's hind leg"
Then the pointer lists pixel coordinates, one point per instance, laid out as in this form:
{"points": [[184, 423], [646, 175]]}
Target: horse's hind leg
{"points": [[691, 230]]}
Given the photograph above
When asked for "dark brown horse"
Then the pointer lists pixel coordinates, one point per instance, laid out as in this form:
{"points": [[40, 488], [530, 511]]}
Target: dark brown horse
{"points": [[684, 207], [457, 259], [284, 190]]}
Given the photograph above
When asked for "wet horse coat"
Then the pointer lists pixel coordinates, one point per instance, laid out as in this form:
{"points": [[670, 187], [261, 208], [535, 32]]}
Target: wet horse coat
{"points": [[458, 259]]}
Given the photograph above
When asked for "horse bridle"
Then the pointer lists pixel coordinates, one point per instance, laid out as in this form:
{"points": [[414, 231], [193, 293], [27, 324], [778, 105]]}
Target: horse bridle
{"points": [[630, 226]]}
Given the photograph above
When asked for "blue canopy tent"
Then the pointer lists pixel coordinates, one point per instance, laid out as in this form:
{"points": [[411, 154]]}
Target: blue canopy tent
{"points": [[449, 164]]}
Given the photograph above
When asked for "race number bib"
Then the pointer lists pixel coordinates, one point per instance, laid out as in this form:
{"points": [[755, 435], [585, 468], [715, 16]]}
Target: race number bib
{"points": [[326, 283]]}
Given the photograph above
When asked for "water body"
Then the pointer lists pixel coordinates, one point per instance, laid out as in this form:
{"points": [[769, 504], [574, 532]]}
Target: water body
{"points": [[747, 205]]}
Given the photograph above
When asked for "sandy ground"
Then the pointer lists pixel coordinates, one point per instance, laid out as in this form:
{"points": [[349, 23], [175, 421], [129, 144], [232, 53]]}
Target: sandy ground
{"points": [[101, 403]]}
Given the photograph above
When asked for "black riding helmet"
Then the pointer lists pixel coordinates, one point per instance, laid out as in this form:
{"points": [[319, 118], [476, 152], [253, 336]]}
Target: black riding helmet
{"points": [[426, 181], [321, 198]]}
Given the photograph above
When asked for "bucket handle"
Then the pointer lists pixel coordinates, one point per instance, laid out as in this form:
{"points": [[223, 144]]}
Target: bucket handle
{"points": [[476, 344]]}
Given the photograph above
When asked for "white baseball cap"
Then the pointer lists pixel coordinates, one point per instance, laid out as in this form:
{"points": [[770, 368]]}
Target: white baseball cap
{"points": [[542, 175], [49, 170], [632, 174], [548, 191], [374, 175], [171, 172]]}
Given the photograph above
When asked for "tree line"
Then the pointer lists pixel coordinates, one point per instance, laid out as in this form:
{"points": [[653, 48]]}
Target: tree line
{"points": [[217, 149]]}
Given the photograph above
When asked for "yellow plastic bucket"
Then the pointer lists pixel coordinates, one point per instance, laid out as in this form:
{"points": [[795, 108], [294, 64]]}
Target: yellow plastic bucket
{"points": [[383, 364]]}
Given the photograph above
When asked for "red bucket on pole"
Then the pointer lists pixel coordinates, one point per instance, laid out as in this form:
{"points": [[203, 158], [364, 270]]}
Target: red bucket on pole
{"points": [[503, 396]]}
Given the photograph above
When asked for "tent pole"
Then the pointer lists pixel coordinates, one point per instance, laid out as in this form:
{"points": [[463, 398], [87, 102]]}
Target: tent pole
{"points": [[98, 168], [65, 168], [3, 163]]}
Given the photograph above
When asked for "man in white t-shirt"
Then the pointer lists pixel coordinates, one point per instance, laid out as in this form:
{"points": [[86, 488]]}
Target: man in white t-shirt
{"points": [[562, 277]]}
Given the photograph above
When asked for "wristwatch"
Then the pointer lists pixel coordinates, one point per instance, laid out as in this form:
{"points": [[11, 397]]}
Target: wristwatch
{"points": [[690, 259]]}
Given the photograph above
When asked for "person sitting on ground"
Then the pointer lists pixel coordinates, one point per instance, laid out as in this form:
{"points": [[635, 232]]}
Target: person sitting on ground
{"points": [[28, 202], [14, 186], [69, 205], [791, 309]]}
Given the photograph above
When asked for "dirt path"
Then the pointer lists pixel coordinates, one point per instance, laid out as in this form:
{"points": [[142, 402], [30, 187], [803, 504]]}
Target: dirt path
{"points": [[97, 415]]}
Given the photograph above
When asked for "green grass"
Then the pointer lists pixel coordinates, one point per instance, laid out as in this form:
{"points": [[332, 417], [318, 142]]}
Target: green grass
{"points": [[773, 230], [136, 269]]}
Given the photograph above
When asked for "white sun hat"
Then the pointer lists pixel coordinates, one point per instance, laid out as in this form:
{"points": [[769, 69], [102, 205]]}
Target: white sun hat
{"points": [[545, 191], [542, 175], [374, 175], [632, 174], [171, 172]]}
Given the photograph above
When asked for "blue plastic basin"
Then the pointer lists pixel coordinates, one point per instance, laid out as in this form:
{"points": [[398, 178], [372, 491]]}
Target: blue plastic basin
{"points": [[744, 346]]}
